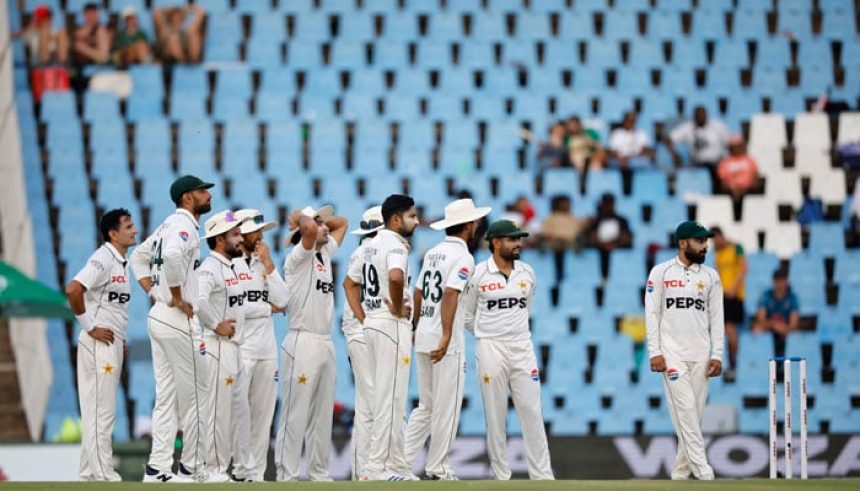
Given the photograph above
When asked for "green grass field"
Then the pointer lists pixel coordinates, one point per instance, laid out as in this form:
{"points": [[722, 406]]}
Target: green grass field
{"points": [[745, 484]]}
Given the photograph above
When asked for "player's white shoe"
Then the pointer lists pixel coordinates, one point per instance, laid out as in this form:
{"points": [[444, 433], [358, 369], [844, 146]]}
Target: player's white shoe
{"points": [[218, 477], [384, 476], [445, 477]]}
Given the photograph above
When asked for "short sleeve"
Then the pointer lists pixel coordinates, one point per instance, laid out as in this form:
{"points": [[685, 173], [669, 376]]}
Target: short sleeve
{"points": [[298, 256], [460, 273], [681, 134], [94, 274], [398, 258], [355, 264], [331, 247], [795, 305]]}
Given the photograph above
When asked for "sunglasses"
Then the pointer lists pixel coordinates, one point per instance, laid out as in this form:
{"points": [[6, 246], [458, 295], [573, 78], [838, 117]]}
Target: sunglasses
{"points": [[369, 224], [258, 219]]}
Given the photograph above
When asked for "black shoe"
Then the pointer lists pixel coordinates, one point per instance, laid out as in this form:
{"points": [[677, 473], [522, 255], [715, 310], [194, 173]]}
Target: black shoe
{"points": [[237, 479]]}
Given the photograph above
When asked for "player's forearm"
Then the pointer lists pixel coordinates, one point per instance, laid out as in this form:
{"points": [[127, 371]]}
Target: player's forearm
{"points": [[206, 314], [449, 311], [278, 290], [352, 290], [417, 300], [76, 298], [395, 289]]}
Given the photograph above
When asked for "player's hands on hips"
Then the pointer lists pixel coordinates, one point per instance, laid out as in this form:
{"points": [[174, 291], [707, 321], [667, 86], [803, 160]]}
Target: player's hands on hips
{"points": [[437, 354], [405, 310], [715, 368], [276, 310], [658, 364], [182, 305], [103, 334], [226, 328]]}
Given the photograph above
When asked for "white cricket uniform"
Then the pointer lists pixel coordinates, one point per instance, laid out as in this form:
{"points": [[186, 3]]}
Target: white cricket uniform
{"points": [[359, 360], [170, 257], [684, 322], [440, 385], [389, 345], [222, 297], [105, 276], [307, 369], [496, 308], [258, 388]]}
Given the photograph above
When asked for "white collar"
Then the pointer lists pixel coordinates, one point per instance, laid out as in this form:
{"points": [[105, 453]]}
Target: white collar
{"points": [[494, 268], [456, 240], [183, 211], [114, 252], [222, 259], [694, 266]]}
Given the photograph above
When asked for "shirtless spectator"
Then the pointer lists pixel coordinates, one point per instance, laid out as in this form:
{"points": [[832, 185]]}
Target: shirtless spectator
{"points": [[92, 40], [175, 41]]}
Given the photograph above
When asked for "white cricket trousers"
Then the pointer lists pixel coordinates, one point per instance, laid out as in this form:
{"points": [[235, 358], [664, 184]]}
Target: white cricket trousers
{"points": [[99, 369], [181, 389], [362, 371], [389, 343], [308, 382], [253, 415], [440, 397], [504, 366], [686, 394], [224, 365]]}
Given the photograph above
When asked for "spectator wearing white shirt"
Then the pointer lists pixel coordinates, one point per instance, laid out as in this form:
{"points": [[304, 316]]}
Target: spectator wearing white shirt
{"points": [[630, 146], [706, 138]]}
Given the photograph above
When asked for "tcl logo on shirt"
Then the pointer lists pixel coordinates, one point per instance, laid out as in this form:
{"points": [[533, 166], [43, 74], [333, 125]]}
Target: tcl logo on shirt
{"points": [[685, 303], [244, 277], [118, 279], [506, 303], [673, 283], [491, 287], [231, 281]]}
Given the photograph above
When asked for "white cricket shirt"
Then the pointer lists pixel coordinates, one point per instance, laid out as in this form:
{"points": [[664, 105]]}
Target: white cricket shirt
{"points": [[311, 303], [221, 296], [261, 292], [106, 279], [170, 256], [385, 252], [350, 326], [447, 265], [684, 312], [498, 307]]}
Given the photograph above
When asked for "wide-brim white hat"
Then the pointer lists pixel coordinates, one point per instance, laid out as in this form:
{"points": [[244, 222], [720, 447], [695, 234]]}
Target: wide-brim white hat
{"points": [[460, 211], [252, 220], [324, 212], [371, 221], [220, 223]]}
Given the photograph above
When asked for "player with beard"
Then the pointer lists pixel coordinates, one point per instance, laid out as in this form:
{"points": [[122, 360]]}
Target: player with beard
{"points": [[165, 265], [308, 366], [265, 294], [384, 311], [221, 311], [496, 307], [684, 321]]}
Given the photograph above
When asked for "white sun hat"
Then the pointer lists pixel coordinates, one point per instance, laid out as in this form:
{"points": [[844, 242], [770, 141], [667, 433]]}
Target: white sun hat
{"points": [[324, 212], [371, 221], [252, 220], [221, 222], [460, 211]]}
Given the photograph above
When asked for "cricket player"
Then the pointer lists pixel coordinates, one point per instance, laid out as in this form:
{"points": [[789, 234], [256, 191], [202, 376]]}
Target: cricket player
{"points": [[308, 366], [265, 293], [221, 311], [439, 345], [497, 304], [359, 358], [376, 292], [684, 323], [165, 266], [99, 295]]}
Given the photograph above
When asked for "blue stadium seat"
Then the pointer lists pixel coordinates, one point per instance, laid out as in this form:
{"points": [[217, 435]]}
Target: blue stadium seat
{"points": [[664, 23], [58, 106], [314, 107], [773, 52], [278, 79], [561, 181], [624, 299], [847, 269], [272, 107], [707, 24], [603, 53], [806, 267], [421, 134], [348, 55], [620, 24], [304, 55], [187, 106], [605, 181], [367, 82], [240, 135], [411, 83], [627, 267], [696, 181], [460, 134], [372, 162], [456, 160]]}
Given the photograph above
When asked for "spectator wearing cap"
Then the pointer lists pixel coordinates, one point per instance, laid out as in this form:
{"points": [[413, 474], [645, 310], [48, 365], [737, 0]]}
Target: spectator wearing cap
{"points": [[176, 42], [131, 45], [92, 40], [778, 312], [45, 45]]}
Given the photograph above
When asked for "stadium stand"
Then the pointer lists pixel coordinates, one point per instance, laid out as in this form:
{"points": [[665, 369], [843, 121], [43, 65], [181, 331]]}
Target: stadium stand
{"points": [[342, 101]]}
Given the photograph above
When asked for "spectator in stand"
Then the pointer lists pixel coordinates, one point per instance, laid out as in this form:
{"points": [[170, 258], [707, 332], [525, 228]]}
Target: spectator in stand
{"points": [[732, 267], [131, 45], [738, 172], [778, 312], [92, 40], [176, 42], [608, 231], [630, 146], [584, 148], [552, 152], [45, 45], [706, 139], [561, 230]]}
